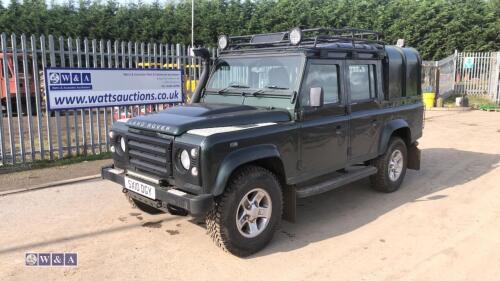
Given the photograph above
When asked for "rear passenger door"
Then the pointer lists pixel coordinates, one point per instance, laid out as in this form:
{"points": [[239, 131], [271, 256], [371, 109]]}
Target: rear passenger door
{"points": [[363, 81]]}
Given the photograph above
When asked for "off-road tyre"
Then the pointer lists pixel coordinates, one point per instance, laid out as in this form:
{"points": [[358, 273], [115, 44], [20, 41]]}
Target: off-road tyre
{"points": [[144, 207], [221, 220], [381, 180]]}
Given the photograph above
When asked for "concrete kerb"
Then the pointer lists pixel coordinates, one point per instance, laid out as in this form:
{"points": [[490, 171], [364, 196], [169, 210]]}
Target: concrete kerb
{"points": [[50, 184]]}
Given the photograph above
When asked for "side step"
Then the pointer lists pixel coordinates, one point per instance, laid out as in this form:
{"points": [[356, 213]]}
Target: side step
{"points": [[352, 174]]}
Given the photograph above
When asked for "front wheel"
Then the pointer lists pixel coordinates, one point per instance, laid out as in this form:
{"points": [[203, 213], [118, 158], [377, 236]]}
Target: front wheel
{"points": [[246, 216], [391, 167]]}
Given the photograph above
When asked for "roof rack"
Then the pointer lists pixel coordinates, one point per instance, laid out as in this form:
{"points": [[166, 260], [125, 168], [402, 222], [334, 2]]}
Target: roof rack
{"points": [[308, 38]]}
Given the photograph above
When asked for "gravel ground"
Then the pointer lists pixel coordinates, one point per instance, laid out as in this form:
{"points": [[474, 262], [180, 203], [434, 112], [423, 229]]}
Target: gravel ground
{"points": [[36, 177], [443, 224]]}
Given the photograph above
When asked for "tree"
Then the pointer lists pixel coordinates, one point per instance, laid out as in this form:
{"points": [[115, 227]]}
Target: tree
{"points": [[435, 27]]}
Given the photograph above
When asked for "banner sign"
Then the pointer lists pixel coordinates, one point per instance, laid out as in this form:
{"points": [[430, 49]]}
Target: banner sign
{"points": [[76, 88]]}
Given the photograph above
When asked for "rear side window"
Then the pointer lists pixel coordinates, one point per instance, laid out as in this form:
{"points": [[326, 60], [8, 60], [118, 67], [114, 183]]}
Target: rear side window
{"points": [[362, 82], [325, 76]]}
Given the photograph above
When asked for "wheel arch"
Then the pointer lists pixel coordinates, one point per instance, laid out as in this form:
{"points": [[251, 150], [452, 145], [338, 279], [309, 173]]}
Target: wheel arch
{"points": [[266, 156], [397, 127]]}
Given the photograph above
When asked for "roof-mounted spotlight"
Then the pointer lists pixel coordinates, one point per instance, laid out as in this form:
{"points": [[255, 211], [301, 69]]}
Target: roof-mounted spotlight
{"points": [[223, 42], [295, 36]]}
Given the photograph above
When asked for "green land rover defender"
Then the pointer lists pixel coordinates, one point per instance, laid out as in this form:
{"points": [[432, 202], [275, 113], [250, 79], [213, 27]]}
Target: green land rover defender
{"points": [[275, 117]]}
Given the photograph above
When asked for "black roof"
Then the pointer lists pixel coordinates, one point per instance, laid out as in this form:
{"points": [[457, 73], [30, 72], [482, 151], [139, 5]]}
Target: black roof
{"points": [[314, 38]]}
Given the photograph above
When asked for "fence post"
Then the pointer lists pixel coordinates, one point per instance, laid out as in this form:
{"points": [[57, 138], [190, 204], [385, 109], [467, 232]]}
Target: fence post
{"points": [[47, 112], [178, 54], [8, 98], [3, 40], [52, 56], [62, 57], [75, 112], [436, 78], [455, 58], [84, 121], [91, 111], [15, 69], [494, 84], [38, 101], [27, 95]]}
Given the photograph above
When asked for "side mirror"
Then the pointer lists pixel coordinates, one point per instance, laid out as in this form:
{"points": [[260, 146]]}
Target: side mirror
{"points": [[316, 97]]}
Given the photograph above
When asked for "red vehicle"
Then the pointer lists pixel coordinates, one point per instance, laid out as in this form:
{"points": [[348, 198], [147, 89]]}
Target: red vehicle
{"points": [[12, 79], [132, 111], [124, 112]]}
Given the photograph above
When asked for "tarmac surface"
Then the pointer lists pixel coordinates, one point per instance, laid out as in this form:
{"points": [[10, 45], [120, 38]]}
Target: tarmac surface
{"points": [[443, 224]]}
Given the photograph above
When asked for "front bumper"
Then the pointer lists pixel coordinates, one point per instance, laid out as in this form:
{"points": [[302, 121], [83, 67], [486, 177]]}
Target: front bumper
{"points": [[196, 205]]}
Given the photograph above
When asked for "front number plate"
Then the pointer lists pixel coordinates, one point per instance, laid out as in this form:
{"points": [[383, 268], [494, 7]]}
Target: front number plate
{"points": [[140, 187]]}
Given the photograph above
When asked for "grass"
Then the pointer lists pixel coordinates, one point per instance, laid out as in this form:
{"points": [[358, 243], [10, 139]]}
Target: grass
{"points": [[474, 101], [41, 164]]}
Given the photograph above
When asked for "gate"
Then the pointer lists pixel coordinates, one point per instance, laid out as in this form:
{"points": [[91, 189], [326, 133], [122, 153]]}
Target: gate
{"points": [[469, 73], [478, 74], [30, 132]]}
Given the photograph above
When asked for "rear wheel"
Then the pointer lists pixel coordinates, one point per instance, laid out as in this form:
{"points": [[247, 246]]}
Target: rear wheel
{"points": [[391, 167], [246, 216]]}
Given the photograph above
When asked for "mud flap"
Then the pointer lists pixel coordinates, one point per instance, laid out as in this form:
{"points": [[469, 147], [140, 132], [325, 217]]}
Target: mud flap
{"points": [[289, 203], [413, 157]]}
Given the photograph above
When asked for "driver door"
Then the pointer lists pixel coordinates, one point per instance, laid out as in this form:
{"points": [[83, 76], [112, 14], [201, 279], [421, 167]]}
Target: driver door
{"points": [[323, 138]]}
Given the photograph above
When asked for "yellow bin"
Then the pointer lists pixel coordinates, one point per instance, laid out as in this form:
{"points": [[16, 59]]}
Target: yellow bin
{"points": [[428, 99]]}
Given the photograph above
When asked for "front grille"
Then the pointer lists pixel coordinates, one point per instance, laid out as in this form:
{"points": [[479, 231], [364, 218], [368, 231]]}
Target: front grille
{"points": [[150, 155]]}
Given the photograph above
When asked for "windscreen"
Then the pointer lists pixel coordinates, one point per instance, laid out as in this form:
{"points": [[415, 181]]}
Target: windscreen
{"points": [[269, 72]]}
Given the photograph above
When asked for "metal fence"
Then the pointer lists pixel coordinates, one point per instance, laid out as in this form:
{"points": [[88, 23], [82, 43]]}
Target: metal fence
{"points": [[468, 73], [29, 131]]}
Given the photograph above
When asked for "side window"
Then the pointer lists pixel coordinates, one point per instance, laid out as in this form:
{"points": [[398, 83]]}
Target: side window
{"points": [[325, 76], [362, 82]]}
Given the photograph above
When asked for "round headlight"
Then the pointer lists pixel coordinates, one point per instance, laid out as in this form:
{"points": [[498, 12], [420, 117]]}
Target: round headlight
{"points": [[185, 160], [194, 152], [222, 42], [295, 36], [123, 144], [194, 171]]}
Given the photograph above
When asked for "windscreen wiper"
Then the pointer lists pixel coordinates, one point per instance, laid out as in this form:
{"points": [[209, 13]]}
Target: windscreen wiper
{"points": [[276, 87], [222, 91], [253, 94]]}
